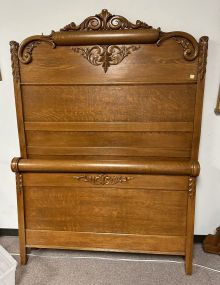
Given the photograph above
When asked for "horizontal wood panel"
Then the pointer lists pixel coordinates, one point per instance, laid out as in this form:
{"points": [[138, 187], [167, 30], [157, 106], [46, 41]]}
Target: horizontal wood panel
{"points": [[106, 210], [109, 127], [162, 103], [98, 157], [158, 182], [148, 64], [110, 242], [110, 139], [120, 151]]}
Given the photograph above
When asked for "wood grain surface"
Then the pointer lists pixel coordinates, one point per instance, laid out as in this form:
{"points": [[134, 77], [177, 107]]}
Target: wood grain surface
{"points": [[109, 117]]}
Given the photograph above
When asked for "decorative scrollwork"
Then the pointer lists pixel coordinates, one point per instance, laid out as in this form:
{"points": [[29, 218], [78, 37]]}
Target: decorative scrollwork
{"points": [[188, 42], [203, 50], [105, 55], [14, 59], [28, 50], [187, 46], [105, 21], [27, 46], [103, 179]]}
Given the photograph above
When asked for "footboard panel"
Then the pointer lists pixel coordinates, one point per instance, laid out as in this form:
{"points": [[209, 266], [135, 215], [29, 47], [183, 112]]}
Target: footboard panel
{"points": [[145, 213]]}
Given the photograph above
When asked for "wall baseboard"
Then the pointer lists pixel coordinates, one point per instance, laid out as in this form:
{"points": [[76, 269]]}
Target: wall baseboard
{"points": [[14, 232], [8, 232], [199, 238]]}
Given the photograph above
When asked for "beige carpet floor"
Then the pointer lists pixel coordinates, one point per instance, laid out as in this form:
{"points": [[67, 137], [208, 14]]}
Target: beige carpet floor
{"points": [[60, 267]]}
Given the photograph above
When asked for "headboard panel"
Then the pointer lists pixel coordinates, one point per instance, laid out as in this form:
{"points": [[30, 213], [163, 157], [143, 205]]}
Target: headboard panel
{"points": [[108, 88], [126, 64], [109, 120]]}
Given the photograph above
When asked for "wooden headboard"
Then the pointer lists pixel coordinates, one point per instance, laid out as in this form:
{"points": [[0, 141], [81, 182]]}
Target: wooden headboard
{"points": [[96, 102], [109, 88]]}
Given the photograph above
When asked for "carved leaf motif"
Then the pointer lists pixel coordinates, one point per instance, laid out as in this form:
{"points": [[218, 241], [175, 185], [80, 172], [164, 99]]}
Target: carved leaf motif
{"points": [[14, 59], [29, 48], [203, 49], [106, 55], [105, 21], [103, 179], [187, 47]]}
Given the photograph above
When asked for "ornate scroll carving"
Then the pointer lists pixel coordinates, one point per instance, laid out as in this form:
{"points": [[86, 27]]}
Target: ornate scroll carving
{"points": [[192, 187], [27, 46], [106, 55], [28, 51], [105, 21], [187, 46], [203, 50], [188, 42], [103, 179], [14, 59], [116, 30]]}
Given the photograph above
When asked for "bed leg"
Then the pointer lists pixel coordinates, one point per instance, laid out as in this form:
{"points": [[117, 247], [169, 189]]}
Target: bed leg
{"points": [[23, 254], [190, 225], [21, 220], [188, 262]]}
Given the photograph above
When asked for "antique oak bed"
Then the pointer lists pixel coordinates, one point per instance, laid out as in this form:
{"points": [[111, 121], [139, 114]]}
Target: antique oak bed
{"points": [[109, 116]]}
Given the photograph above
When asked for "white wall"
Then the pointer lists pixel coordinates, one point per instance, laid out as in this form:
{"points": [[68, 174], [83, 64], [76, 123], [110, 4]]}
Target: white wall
{"points": [[19, 19]]}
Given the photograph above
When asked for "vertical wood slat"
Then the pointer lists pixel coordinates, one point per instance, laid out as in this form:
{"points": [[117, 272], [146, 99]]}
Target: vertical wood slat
{"points": [[18, 97], [203, 48]]}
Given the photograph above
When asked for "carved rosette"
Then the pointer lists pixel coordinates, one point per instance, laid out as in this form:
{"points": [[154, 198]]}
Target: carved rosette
{"points": [[14, 59], [103, 179], [105, 21], [106, 55], [203, 50]]}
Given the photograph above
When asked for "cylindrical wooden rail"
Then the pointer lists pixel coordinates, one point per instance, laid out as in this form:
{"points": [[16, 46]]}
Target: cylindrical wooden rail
{"points": [[106, 37], [107, 166]]}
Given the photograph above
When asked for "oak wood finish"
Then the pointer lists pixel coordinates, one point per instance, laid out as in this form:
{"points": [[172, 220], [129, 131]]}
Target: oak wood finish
{"points": [[109, 116], [157, 244], [21, 218], [136, 166]]}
